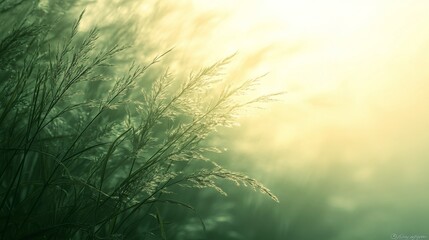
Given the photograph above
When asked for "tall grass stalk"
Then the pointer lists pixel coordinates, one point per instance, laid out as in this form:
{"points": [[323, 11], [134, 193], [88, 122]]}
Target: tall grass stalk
{"points": [[78, 166]]}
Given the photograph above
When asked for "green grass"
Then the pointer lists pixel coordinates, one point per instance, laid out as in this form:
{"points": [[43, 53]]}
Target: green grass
{"points": [[87, 152]]}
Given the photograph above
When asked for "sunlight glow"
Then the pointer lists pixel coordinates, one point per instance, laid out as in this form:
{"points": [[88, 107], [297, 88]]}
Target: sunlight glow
{"points": [[355, 72]]}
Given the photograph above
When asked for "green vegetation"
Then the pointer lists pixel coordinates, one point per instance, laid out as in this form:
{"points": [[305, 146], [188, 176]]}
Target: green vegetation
{"points": [[89, 151]]}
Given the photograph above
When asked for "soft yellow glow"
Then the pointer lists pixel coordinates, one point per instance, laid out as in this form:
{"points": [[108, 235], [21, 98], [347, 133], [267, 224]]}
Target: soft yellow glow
{"points": [[357, 77], [356, 72]]}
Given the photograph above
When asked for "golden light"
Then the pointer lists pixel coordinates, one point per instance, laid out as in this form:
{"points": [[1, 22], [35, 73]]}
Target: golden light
{"points": [[355, 72]]}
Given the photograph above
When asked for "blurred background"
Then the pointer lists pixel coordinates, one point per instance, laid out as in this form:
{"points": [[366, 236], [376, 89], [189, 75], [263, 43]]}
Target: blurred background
{"points": [[345, 149]]}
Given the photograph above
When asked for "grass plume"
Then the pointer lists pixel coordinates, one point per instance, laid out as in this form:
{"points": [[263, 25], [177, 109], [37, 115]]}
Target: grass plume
{"points": [[76, 166]]}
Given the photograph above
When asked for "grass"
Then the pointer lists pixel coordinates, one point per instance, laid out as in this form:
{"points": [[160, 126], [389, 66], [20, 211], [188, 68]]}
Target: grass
{"points": [[84, 154]]}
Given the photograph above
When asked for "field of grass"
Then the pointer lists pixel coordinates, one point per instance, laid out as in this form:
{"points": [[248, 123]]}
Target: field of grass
{"points": [[89, 153]]}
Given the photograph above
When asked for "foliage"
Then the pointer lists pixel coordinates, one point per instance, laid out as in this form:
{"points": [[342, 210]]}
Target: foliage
{"points": [[85, 153]]}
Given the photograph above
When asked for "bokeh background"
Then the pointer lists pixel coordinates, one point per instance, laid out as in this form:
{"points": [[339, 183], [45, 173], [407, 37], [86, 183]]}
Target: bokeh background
{"points": [[345, 149]]}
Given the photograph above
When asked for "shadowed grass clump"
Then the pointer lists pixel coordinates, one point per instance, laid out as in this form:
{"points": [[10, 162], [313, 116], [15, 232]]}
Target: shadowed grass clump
{"points": [[77, 163]]}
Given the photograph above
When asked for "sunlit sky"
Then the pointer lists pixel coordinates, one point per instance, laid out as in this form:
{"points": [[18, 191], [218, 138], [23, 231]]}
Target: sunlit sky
{"points": [[355, 72], [357, 80]]}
